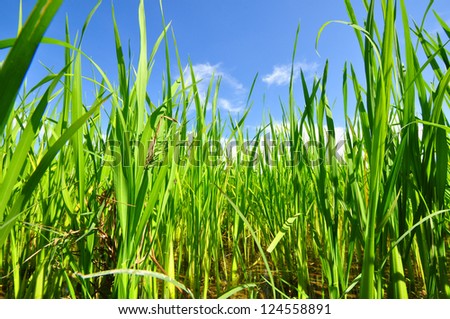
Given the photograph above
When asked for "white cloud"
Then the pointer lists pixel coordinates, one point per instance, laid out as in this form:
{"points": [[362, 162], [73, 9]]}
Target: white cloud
{"points": [[281, 74], [203, 73], [229, 106]]}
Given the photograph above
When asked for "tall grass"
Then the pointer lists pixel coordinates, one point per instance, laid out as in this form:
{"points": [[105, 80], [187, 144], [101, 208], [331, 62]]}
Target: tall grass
{"points": [[144, 208]]}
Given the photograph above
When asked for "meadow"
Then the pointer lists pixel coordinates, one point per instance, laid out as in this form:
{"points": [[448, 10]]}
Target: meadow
{"points": [[146, 207]]}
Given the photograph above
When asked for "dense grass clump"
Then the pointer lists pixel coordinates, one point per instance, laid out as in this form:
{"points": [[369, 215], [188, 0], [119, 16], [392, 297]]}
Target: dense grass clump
{"points": [[143, 207]]}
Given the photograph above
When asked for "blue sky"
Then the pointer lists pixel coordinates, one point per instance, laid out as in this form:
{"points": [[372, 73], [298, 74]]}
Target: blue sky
{"points": [[235, 39]]}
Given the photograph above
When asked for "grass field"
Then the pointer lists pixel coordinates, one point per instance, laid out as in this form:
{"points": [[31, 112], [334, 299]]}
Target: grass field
{"points": [[146, 207]]}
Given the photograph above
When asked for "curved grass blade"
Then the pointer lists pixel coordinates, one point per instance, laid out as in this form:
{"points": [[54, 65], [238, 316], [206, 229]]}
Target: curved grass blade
{"points": [[20, 56], [142, 273], [409, 231], [285, 228], [252, 232], [46, 161], [235, 290], [23, 147]]}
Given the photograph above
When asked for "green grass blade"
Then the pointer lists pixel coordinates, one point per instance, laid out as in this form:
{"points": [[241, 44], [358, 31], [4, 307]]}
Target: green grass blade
{"points": [[33, 181], [14, 68], [24, 145], [141, 273]]}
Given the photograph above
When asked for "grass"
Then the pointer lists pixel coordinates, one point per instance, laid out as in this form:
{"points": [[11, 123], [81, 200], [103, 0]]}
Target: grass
{"points": [[143, 208]]}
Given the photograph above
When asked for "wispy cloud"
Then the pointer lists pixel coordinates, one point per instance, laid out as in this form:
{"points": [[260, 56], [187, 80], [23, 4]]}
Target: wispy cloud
{"points": [[281, 74], [227, 105], [204, 72]]}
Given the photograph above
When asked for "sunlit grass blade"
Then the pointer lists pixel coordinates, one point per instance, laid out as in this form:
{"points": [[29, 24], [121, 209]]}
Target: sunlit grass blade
{"points": [[14, 68], [33, 181]]}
